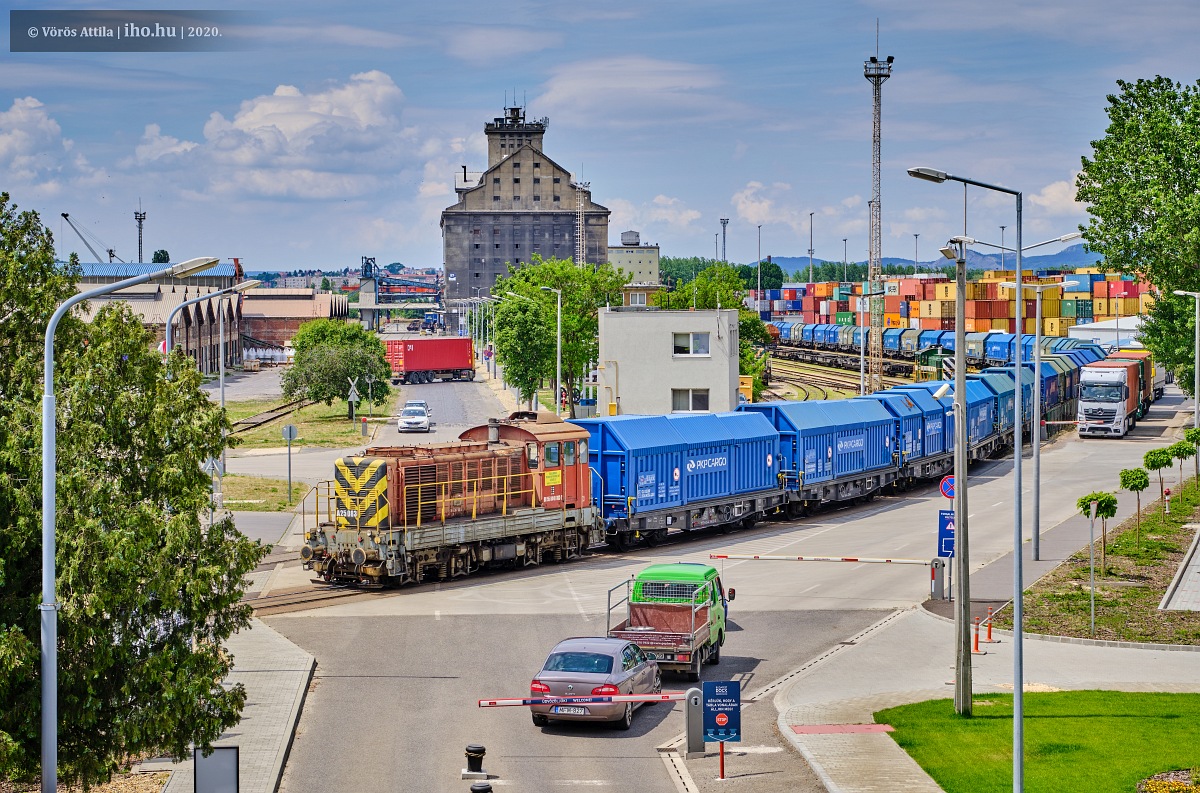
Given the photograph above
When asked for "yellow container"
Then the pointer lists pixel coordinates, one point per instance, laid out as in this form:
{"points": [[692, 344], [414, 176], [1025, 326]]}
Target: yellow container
{"points": [[746, 386], [998, 324]]}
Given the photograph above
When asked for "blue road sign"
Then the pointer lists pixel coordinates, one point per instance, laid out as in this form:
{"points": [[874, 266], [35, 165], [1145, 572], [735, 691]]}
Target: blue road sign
{"points": [[947, 486], [945, 546], [722, 705]]}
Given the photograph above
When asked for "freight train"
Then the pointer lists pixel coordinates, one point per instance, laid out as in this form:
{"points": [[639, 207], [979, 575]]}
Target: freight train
{"points": [[533, 488]]}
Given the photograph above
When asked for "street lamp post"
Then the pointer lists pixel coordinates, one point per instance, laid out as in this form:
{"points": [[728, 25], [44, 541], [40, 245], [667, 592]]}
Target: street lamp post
{"points": [[558, 358], [238, 287], [1195, 358], [810, 247], [760, 261], [934, 175], [49, 607], [845, 256]]}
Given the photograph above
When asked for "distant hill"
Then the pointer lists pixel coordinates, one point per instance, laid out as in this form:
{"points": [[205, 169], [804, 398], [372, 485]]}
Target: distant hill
{"points": [[1068, 258]]}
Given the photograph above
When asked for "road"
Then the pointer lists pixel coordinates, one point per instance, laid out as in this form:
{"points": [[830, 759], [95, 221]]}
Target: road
{"points": [[399, 674]]}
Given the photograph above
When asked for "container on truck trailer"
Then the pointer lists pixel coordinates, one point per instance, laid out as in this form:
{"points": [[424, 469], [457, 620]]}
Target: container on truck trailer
{"points": [[423, 360], [1109, 397], [1145, 384], [1158, 374]]}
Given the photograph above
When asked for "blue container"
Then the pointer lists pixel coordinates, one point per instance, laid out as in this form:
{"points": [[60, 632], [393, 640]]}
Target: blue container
{"points": [[822, 441], [765, 316], [707, 460], [756, 464], [634, 457], [939, 419], [1005, 397], [807, 333], [998, 347], [774, 294], [929, 338], [904, 309], [908, 422], [891, 339]]}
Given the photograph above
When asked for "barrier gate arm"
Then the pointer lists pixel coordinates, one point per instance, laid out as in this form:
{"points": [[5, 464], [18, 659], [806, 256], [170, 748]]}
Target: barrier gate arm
{"points": [[666, 696], [859, 559]]}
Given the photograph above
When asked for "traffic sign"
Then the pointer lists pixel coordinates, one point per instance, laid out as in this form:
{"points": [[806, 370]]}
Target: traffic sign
{"points": [[945, 545], [947, 486], [290, 432], [722, 706]]}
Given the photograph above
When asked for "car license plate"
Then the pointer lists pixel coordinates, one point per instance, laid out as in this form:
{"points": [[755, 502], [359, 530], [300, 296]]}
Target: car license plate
{"points": [[570, 710]]}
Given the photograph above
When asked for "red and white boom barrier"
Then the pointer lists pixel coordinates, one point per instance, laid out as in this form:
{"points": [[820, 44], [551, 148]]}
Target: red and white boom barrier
{"points": [[666, 696], [859, 559]]}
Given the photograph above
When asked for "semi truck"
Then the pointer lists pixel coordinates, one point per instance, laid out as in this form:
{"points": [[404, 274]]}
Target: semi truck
{"points": [[424, 360], [1110, 397], [675, 612], [1158, 374]]}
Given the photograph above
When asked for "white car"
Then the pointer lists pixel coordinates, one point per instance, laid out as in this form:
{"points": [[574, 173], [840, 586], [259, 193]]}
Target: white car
{"points": [[419, 403], [413, 419]]}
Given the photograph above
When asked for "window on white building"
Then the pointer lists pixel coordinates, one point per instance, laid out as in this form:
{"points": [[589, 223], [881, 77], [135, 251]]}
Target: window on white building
{"points": [[689, 400], [637, 298], [690, 344]]}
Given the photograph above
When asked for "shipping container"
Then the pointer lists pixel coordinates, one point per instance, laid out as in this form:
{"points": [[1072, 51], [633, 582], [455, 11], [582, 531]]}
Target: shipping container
{"points": [[423, 360], [756, 462], [891, 339], [706, 470], [908, 421]]}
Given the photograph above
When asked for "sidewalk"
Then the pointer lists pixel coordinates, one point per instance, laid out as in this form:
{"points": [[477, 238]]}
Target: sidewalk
{"points": [[1184, 593], [276, 674]]}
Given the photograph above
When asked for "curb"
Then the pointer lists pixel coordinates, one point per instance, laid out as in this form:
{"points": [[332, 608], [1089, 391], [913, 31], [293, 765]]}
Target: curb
{"points": [[1183, 566], [294, 716]]}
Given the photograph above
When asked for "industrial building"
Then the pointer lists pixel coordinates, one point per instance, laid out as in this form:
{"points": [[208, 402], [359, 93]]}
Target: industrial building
{"points": [[640, 262], [523, 204], [655, 362]]}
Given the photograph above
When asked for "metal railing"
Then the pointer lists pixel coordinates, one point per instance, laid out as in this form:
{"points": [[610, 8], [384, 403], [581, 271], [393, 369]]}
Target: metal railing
{"points": [[445, 492]]}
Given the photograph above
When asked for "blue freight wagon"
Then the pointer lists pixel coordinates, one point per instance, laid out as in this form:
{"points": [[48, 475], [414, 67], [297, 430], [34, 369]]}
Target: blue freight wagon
{"points": [[822, 441], [976, 344], [981, 435], [859, 339], [635, 461], [930, 338], [998, 348], [807, 334], [908, 422], [1006, 398], [934, 440], [707, 472], [891, 339], [756, 463]]}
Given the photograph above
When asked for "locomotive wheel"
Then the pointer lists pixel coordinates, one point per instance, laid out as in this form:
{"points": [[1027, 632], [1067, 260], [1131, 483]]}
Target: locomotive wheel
{"points": [[620, 541]]}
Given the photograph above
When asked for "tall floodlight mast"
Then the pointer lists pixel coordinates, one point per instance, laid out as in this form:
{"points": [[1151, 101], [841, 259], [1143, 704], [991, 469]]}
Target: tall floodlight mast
{"points": [[877, 73]]}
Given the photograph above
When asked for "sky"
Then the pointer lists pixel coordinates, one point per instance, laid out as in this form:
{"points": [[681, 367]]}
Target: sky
{"points": [[336, 131]]}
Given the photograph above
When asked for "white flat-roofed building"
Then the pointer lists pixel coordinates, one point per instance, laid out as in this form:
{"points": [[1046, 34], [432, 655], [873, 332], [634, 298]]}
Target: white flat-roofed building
{"points": [[654, 362]]}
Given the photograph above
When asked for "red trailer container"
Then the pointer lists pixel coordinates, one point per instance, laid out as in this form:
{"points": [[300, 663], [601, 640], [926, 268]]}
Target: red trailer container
{"points": [[424, 360]]}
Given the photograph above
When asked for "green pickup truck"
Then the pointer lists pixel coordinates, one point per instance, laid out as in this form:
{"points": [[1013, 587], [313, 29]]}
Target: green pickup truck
{"points": [[675, 612]]}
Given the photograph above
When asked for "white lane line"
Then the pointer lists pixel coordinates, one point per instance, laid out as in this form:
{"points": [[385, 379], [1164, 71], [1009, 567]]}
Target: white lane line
{"points": [[437, 615], [902, 547], [998, 503], [575, 597], [864, 564], [811, 588], [788, 544], [584, 782]]}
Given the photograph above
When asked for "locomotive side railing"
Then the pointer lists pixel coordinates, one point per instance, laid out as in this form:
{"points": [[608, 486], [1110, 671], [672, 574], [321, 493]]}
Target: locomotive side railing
{"points": [[440, 496]]}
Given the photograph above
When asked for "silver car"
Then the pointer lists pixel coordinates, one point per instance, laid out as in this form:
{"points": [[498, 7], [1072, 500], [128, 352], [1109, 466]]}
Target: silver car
{"points": [[594, 667], [413, 420], [419, 403]]}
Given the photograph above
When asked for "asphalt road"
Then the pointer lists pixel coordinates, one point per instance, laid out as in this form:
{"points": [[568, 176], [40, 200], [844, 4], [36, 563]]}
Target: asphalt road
{"points": [[394, 704]]}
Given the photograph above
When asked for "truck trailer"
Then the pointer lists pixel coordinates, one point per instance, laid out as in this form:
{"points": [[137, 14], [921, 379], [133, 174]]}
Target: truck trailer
{"points": [[1110, 394], [424, 360]]}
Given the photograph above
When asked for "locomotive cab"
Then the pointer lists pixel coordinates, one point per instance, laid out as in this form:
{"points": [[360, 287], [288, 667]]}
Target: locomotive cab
{"points": [[556, 455]]}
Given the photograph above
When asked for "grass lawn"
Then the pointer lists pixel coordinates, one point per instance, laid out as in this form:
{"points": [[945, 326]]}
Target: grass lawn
{"points": [[1095, 741], [1129, 586], [318, 425], [259, 494]]}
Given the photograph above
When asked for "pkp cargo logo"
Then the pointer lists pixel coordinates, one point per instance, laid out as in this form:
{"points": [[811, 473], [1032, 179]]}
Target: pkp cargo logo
{"points": [[711, 463]]}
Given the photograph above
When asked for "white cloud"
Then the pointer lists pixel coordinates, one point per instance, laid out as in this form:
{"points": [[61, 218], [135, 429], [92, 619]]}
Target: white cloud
{"points": [[1057, 199], [661, 214], [34, 153], [156, 146], [484, 44], [632, 91]]}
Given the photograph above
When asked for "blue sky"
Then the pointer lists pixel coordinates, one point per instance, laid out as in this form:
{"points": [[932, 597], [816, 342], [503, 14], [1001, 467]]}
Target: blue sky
{"points": [[337, 132]]}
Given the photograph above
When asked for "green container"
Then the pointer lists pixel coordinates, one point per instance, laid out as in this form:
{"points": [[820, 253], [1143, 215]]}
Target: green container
{"points": [[1068, 308], [844, 317], [1083, 309]]}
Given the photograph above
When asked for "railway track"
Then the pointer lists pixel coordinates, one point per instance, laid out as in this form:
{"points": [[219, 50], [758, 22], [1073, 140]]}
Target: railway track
{"points": [[302, 599], [269, 415]]}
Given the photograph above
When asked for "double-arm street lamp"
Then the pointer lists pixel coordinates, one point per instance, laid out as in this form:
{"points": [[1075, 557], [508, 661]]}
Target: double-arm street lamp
{"points": [[1195, 357], [934, 175], [49, 606], [242, 286]]}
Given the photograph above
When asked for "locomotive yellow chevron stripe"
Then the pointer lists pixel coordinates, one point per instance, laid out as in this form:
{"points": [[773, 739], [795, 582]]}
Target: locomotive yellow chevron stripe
{"points": [[360, 493]]}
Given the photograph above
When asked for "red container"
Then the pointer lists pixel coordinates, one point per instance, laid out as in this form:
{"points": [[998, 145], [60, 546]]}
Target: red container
{"points": [[891, 304], [427, 359]]}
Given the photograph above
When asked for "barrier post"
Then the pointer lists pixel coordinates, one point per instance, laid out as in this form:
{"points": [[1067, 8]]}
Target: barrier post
{"points": [[937, 579], [977, 651], [693, 720], [989, 639]]}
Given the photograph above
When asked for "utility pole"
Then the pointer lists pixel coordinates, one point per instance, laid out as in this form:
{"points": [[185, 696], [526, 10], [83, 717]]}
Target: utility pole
{"points": [[760, 263], [916, 253], [810, 247], [845, 257], [877, 72], [724, 225]]}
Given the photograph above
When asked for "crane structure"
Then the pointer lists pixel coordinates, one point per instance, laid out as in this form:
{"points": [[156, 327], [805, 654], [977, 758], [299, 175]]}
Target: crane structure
{"points": [[724, 226], [83, 235], [877, 72]]}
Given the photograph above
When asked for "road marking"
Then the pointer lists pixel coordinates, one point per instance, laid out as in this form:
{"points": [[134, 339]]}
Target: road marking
{"points": [[586, 782], [902, 547], [811, 588], [437, 615], [998, 503], [575, 597], [858, 566]]}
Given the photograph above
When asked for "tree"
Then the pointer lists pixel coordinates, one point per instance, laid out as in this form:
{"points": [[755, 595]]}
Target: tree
{"points": [[1192, 436], [326, 286], [1106, 507], [147, 595], [329, 355], [772, 275], [161, 257], [1156, 460], [522, 345], [682, 270], [584, 291], [1136, 480], [1139, 185], [1182, 451]]}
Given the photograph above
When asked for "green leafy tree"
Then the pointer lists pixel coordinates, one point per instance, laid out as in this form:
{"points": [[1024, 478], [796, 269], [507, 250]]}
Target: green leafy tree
{"points": [[584, 291], [1139, 185], [337, 333], [1106, 507], [1182, 451], [772, 275], [326, 286], [1136, 480], [1156, 460], [1192, 436], [324, 372], [147, 593], [682, 269], [522, 345], [161, 257]]}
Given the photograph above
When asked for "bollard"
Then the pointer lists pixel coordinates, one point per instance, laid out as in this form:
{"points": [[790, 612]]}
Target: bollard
{"points": [[693, 720], [364, 427], [474, 769], [481, 787], [989, 639], [1167, 492], [977, 651]]}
